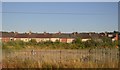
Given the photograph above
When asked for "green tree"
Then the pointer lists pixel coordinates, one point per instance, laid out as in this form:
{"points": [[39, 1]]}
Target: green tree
{"points": [[119, 43], [79, 43], [107, 42]]}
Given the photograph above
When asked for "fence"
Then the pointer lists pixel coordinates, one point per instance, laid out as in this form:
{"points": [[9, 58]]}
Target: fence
{"points": [[65, 57]]}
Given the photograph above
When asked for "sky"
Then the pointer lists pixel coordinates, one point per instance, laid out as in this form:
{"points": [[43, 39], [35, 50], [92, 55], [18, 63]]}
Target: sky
{"points": [[59, 0], [60, 16], [0, 16], [119, 17]]}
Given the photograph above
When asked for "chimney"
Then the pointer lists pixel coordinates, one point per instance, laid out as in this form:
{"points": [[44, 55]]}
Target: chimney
{"points": [[116, 38], [75, 33], [44, 33], [90, 34], [59, 32], [15, 33], [105, 33]]}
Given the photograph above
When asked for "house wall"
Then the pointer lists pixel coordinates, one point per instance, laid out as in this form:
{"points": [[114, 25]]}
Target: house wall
{"points": [[84, 40], [5, 39], [69, 40], [116, 38], [54, 39], [44, 39], [41, 39], [11, 39], [110, 35], [66, 40], [0, 39], [63, 40], [16, 39], [37, 39], [22, 39], [25, 39]]}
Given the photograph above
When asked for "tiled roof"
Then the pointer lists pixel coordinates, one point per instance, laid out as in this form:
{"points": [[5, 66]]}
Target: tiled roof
{"points": [[53, 35], [43, 36], [84, 35], [21, 36], [63, 35], [7, 34], [95, 35], [32, 36]]}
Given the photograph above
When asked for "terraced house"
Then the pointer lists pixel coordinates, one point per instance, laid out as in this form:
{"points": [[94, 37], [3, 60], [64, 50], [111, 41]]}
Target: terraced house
{"points": [[61, 37]]}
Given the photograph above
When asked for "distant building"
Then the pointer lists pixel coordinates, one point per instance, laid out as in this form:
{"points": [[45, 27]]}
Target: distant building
{"points": [[61, 37], [7, 37]]}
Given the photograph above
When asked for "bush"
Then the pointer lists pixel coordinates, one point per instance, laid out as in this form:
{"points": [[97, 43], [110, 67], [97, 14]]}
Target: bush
{"points": [[57, 42], [107, 42], [4, 46], [76, 44], [119, 43], [77, 41], [13, 44], [90, 43], [32, 42]]}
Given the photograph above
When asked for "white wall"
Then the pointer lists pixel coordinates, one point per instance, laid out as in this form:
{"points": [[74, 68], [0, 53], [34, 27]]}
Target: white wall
{"points": [[41, 39], [54, 39], [69, 40], [84, 40]]}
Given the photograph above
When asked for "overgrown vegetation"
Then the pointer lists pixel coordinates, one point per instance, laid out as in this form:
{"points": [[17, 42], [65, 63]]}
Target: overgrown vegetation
{"points": [[64, 59], [76, 44], [60, 58]]}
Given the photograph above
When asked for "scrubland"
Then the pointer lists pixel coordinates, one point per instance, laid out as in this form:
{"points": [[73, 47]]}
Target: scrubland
{"points": [[64, 58]]}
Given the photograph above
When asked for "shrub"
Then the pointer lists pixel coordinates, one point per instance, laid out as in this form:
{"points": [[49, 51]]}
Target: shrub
{"points": [[77, 41], [107, 41], [32, 42]]}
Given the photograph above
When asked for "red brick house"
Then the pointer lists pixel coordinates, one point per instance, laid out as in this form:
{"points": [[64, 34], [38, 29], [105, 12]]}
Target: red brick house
{"points": [[7, 37]]}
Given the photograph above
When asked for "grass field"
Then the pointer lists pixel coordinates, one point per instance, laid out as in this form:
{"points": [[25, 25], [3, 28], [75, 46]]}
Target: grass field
{"points": [[83, 58]]}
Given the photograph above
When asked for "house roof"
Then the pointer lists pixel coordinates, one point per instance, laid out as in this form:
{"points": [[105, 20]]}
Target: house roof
{"points": [[62, 35], [43, 36], [21, 36], [95, 35], [7, 34], [52, 35], [34, 35], [84, 35], [70, 35]]}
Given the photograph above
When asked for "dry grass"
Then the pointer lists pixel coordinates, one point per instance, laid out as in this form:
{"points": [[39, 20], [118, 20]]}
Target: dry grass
{"points": [[99, 58]]}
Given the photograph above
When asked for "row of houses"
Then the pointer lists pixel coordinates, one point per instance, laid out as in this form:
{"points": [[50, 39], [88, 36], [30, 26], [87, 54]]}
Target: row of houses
{"points": [[62, 37]]}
